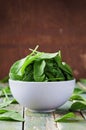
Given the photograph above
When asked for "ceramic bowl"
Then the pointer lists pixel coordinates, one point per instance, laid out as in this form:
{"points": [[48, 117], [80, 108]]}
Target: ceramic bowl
{"points": [[42, 96]]}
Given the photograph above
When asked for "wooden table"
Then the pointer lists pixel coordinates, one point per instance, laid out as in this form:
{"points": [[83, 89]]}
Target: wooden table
{"points": [[44, 121]]}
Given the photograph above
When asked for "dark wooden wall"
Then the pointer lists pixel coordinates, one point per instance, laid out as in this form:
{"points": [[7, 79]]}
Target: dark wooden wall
{"points": [[54, 25]]}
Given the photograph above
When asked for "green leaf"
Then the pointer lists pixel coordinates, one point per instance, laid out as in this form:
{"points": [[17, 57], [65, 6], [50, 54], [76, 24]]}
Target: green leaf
{"points": [[39, 67], [39, 70], [5, 104], [14, 101], [11, 115], [78, 105], [52, 71], [28, 60], [76, 97], [6, 101], [15, 69], [3, 111], [78, 91], [66, 68], [44, 56], [28, 75], [15, 76], [67, 117], [7, 90], [58, 58]]}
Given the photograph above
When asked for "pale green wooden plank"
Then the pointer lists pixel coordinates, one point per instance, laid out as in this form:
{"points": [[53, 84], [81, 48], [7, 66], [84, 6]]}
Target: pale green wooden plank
{"points": [[39, 121], [80, 125], [12, 125], [50, 123]]}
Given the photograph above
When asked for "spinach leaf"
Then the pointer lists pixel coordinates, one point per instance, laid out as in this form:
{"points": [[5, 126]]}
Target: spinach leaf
{"points": [[11, 115], [67, 117], [78, 105], [15, 70], [3, 111], [52, 71], [66, 68], [47, 55], [58, 58], [78, 91], [5, 104], [28, 75], [6, 101], [79, 102], [39, 70], [29, 60], [76, 97]]}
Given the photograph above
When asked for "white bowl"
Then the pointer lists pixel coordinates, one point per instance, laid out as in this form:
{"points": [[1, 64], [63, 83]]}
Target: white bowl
{"points": [[42, 96]]}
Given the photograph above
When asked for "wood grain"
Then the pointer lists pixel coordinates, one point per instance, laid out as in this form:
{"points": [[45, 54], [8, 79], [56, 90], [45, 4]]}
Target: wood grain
{"points": [[39, 121]]}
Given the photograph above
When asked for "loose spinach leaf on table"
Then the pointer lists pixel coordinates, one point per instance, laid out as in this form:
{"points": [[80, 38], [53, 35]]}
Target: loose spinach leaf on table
{"points": [[78, 91], [67, 117], [41, 67], [11, 115], [5, 104], [78, 105], [76, 97], [79, 102]]}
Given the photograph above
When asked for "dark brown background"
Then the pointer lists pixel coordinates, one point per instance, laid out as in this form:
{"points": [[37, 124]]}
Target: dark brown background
{"points": [[54, 25]]}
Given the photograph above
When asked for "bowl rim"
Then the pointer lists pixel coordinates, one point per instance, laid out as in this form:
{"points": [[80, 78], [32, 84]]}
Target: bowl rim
{"points": [[20, 81]]}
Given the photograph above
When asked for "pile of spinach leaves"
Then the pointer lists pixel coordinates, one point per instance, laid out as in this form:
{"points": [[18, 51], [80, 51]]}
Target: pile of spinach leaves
{"points": [[41, 67]]}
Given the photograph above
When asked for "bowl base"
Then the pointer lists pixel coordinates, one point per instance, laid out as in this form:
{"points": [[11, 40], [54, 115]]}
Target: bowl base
{"points": [[42, 111]]}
